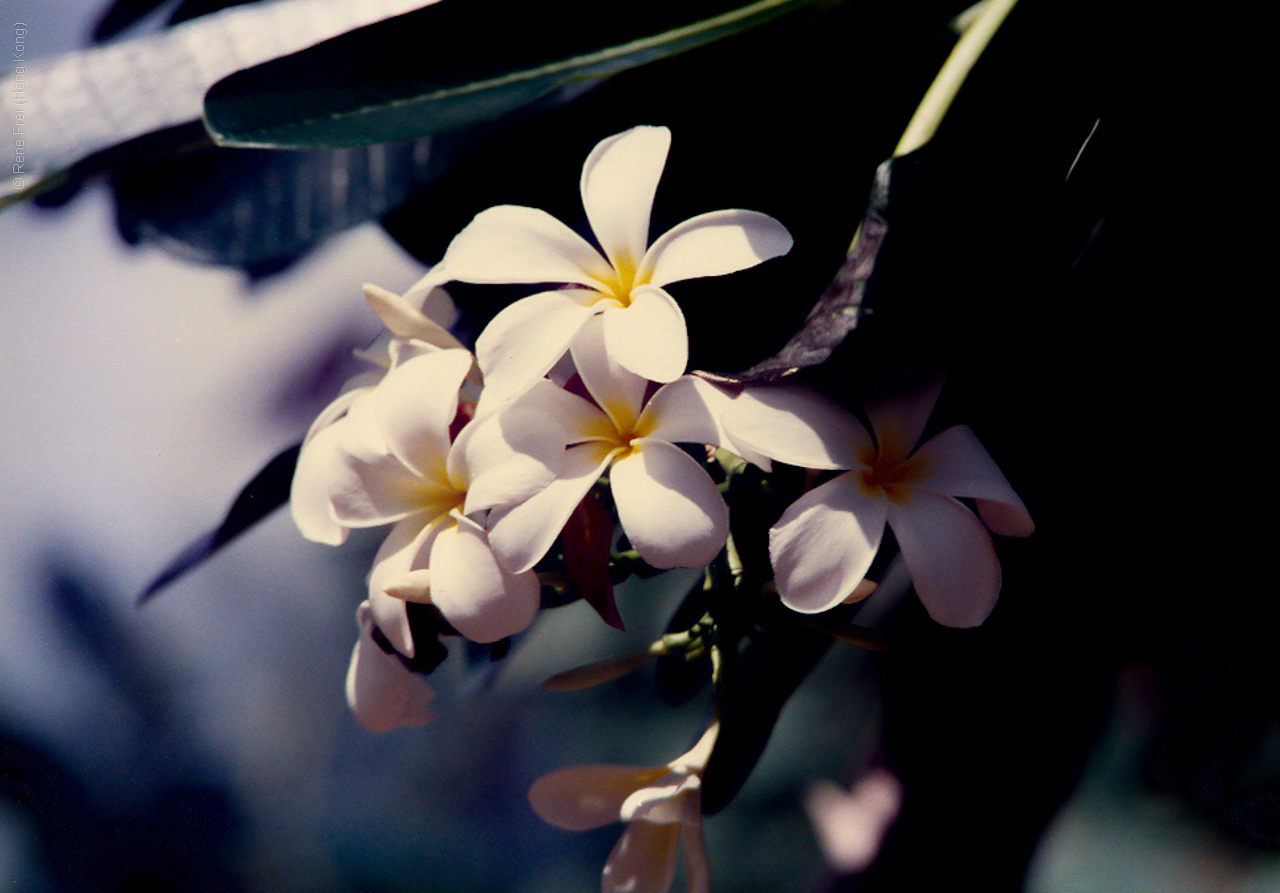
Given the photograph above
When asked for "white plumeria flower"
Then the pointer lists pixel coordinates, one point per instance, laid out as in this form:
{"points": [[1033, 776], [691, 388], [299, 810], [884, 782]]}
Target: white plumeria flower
{"points": [[667, 503], [393, 461], [663, 806], [409, 333], [382, 692], [644, 327], [824, 543]]}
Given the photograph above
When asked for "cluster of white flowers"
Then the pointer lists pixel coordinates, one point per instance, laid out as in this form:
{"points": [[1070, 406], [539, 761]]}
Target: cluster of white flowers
{"points": [[479, 462]]}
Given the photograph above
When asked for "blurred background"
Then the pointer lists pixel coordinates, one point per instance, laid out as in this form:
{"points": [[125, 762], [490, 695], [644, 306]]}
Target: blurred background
{"points": [[201, 742]]}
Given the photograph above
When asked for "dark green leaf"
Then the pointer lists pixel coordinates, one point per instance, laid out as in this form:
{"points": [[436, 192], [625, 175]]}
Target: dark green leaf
{"points": [[451, 65], [268, 490]]}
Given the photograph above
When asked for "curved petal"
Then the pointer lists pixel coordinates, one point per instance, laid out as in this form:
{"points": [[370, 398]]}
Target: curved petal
{"points": [[480, 599], [505, 457], [950, 557], [795, 424], [648, 337], [405, 320], [669, 506], [619, 181], [514, 244], [954, 463], [713, 244], [527, 337], [381, 692], [380, 490], [686, 410], [672, 799], [338, 408], [584, 797], [616, 390], [521, 534], [643, 861], [416, 403], [824, 543], [404, 551], [319, 463], [898, 421]]}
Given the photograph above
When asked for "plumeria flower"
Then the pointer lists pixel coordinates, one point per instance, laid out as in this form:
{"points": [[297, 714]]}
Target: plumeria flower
{"points": [[662, 804], [409, 333], [667, 503], [382, 692], [824, 543], [395, 461], [644, 327]]}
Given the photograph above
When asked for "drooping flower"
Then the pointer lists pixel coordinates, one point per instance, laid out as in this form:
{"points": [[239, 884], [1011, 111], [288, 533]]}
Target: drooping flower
{"points": [[409, 333], [825, 541], [381, 691], [644, 327], [667, 503], [662, 804], [392, 460]]}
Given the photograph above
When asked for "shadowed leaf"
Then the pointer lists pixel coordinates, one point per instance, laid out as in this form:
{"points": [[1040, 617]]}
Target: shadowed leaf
{"points": [[268, 490]]}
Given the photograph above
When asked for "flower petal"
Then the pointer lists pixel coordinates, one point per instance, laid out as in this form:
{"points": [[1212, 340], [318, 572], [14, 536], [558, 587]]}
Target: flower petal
{"points": [[950, 557], [319, 463], [404, 551], [644, 859], [796, 425], [898, 421], [521, 534], [380, 490], [514, 244], [505, 457], [671, 799], [480, 599], [616, 390], [381, 692], [406, 321], [416, 403], [713, 244], [619, 180], [648, 337], [584, 797], [527, 337], [669, 506], [954, 463], [686, 410], [824, 543]]}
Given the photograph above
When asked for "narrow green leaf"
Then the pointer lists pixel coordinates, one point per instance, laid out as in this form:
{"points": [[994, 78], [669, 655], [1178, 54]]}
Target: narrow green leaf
{"points": [[452, 65]]}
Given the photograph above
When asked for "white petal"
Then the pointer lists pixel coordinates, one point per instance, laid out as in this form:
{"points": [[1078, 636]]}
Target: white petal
{"points": [[685, 411], [899, 421], [513, 244], [643, 861], [795, 424], [505, 457], [338, 408], [480, 599], [619, 181], [381, 692], [416, 404], [405, 550], [824, 542], [669, 506], [950, 557], [584, 797], [380, 490], [406, 321], [671, 799], [648, 337], [618, 391], [713, 244], [954, 463], [319, 464], [527, 337], [520, 535]]}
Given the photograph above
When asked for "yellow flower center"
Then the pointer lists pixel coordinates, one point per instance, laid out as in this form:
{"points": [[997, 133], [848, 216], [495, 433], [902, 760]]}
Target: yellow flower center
{"points": [[890, 476], [622, 281]]}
